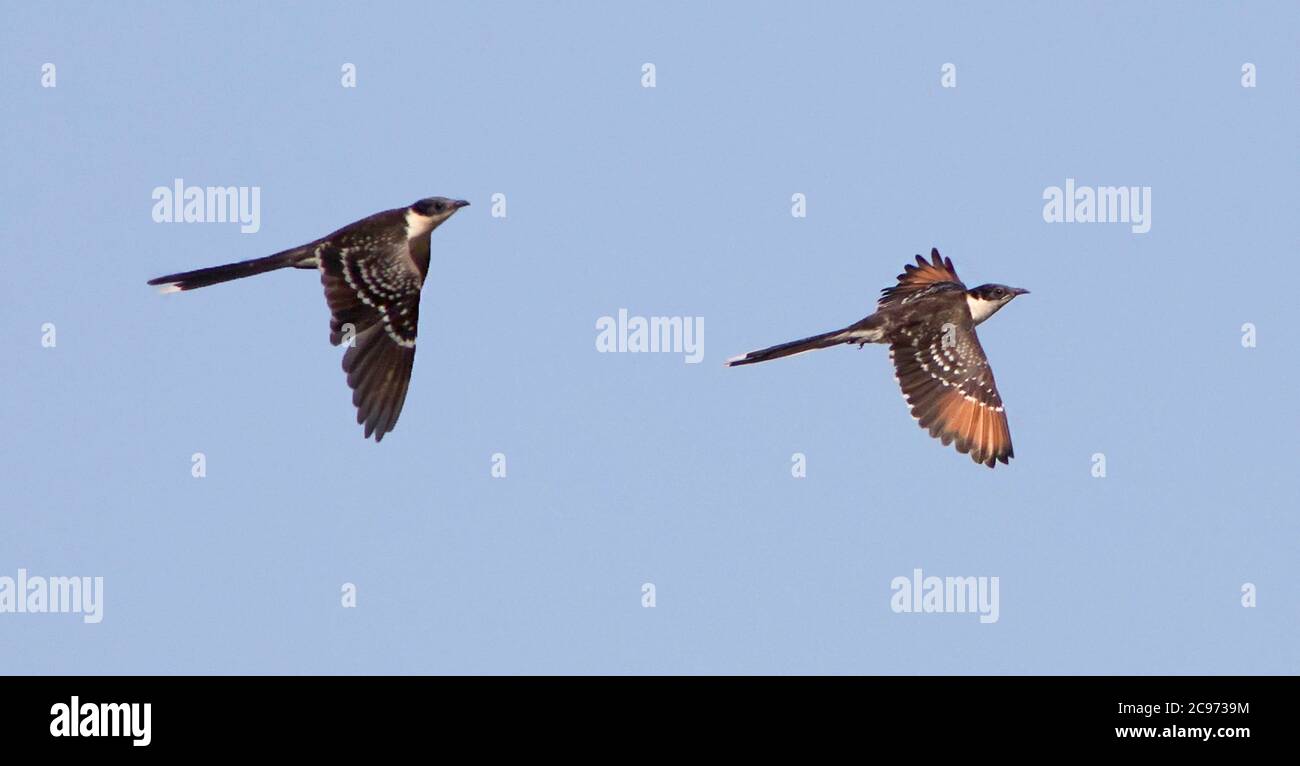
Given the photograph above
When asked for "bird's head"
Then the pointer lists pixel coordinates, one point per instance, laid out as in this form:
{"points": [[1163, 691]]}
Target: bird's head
{"points": [[985, 300], [428, 214]]}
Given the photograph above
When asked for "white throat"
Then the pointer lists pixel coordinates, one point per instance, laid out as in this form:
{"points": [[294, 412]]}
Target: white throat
{"points": [[981, 309], [417, 224]]}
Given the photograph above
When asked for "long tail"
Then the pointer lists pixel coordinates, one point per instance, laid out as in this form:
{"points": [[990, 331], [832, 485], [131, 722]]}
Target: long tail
{"points": [[866, 331], [189, 280]]}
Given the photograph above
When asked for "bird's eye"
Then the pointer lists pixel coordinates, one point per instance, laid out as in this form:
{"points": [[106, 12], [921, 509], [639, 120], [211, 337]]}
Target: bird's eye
{"points": [[437, 207]]}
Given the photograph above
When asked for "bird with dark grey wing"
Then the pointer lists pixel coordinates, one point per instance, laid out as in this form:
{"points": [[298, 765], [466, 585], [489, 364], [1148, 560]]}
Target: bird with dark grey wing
{"points": [[372, 271], [928, 319]]}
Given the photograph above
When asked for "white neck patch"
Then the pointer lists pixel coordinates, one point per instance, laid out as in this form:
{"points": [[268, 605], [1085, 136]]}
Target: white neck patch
{"points": [[981, 309], [417, 224]]}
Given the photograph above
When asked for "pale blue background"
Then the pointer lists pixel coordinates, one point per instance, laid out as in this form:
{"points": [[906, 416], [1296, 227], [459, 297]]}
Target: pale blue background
{"points": [[626, 469]]}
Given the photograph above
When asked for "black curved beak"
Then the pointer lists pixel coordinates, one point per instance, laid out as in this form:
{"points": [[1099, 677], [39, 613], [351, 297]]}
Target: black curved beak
{"points": [[1019, 291], [460, 203]]}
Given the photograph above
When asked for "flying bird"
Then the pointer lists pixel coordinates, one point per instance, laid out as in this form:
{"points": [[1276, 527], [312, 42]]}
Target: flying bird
{"points": [[372, 271], [928, 319]]}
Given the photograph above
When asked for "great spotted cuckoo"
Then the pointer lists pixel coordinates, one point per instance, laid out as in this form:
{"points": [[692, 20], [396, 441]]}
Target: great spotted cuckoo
{"points": [[372, 271], [928, 319]]}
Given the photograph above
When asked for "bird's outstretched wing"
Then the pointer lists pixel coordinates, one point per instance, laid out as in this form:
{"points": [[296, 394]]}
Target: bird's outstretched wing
{"points": [[374, 299], [946, 379], [915, 279]]}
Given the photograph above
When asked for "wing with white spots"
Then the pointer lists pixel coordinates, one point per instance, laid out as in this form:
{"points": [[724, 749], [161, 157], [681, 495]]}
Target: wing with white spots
{"points": [[946, 379], [370, 282], [373, 292]]}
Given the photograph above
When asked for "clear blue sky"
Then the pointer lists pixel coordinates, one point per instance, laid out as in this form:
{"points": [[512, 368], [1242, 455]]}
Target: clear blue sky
{"points": [[632, 468]]}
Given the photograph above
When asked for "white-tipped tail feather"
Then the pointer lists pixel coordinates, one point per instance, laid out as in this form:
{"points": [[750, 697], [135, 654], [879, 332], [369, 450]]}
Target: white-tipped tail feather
{"points": [[189, 280], [855, 334]]}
